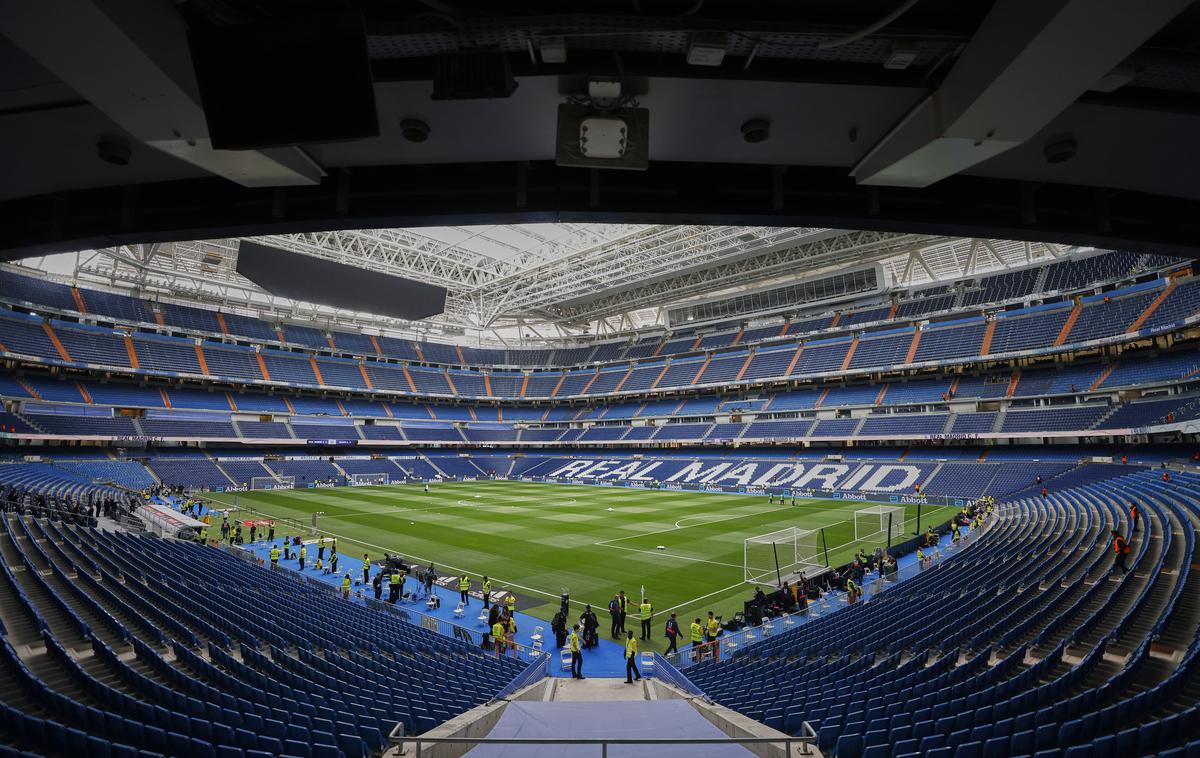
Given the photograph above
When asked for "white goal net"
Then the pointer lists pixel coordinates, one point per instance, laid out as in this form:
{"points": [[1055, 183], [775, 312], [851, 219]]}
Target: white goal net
{"points": [[368, 480], [272, 483], [768, 558], [878, 523]]}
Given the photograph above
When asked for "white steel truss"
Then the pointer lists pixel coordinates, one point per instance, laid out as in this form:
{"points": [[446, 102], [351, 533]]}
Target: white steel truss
{"points": [[844, 249], [550, 281]]}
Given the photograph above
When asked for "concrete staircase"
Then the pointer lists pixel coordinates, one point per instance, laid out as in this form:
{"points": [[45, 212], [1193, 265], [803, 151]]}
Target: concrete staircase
{"points": [[999, 421], [608, 700], [225, 473]]}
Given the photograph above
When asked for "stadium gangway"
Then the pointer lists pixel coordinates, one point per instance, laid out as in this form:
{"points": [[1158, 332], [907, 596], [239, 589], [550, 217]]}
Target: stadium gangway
{"points": [[788, 744], [538, 669]]}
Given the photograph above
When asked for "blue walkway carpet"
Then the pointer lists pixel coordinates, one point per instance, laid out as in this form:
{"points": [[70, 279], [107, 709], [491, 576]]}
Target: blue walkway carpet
{"points": [[657, 719]]}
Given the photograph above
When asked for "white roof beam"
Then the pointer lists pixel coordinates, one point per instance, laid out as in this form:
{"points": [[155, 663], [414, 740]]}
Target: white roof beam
{"points": [[1028, 61], [130, 59]]}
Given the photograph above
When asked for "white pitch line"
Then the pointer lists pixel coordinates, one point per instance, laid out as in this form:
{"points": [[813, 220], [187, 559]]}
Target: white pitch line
{"points": [[707, 520], [676, 528], [663, 553], [698, 599]]}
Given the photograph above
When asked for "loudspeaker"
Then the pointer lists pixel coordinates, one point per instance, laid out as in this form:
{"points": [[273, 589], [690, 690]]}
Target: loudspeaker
{"points": [[285, 81]]}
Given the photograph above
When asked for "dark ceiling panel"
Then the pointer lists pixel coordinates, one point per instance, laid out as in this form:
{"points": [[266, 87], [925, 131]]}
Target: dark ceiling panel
{"points": [[668, 192]]}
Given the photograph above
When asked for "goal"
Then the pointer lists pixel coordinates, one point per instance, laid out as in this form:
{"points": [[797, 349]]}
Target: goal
{"points": [[271, 483], [770, 558], [880, 523], [368, 480]]}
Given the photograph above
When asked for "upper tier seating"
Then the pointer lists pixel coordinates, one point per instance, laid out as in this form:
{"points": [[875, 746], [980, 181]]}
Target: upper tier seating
{"points": [[190, 319], [119, 307], [957, 340], [1075, 274], [166, 355], [88, 344], [1001, 287]]}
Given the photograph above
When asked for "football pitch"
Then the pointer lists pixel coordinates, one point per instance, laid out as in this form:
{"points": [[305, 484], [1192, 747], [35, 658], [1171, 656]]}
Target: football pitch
{"points": [[536, 538]]}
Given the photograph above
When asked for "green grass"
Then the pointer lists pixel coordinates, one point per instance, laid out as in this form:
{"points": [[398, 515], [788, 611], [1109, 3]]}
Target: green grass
{"points": [[538, 538]]}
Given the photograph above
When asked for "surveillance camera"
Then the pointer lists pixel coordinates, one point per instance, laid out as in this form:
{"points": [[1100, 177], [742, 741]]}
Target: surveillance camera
{"points": [[756, 130], [414, 130], [114, 150], [1060, 148]]}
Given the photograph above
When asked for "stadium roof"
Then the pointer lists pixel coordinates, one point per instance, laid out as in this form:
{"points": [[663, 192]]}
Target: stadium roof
{"points": [[557, 279]]}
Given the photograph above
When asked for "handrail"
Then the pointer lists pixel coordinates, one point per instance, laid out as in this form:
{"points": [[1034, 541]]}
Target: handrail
{"points": [[805, 742], [538, 669], [666, 671]]}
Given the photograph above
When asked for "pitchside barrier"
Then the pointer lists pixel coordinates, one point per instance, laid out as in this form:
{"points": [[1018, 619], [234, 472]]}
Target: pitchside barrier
{"points": [[273, 483], [730, 642]]}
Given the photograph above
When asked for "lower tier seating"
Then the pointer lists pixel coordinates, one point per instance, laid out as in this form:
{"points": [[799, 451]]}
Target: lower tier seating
{"points": [[1030, 642], [122, 645]]}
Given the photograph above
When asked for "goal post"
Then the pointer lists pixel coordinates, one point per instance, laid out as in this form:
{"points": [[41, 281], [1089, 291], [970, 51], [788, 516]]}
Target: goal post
{"points": [[368, 480], [272, 483], [881, 523], [770, 558]]}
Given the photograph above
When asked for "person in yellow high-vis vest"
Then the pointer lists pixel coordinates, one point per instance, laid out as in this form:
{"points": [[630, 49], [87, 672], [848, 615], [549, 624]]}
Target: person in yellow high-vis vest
{"points": [[697, 639], [576, 654], [498, 633], [646, 614], [346, 586], [464, 587], [711, 631], [510, 603], [274, 557], [631, 648], [487, 592]]}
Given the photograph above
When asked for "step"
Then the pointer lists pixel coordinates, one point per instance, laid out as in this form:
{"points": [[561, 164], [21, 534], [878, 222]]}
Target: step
{"points": [[598, 689]]}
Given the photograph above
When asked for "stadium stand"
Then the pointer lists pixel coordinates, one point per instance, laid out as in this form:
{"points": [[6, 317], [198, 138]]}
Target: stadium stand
{"points": [[1010, 687], [328, 704], [1025, 642]]}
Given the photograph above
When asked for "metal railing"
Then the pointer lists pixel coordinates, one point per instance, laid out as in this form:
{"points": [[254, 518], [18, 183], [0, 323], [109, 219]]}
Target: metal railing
{"points": [[785, 745], [538, 669], [667, 672]]}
